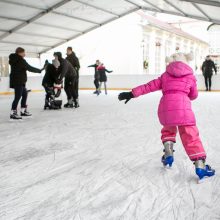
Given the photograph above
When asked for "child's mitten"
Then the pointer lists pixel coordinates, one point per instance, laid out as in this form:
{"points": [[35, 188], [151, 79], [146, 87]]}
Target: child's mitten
{"points": [[125, 96]]}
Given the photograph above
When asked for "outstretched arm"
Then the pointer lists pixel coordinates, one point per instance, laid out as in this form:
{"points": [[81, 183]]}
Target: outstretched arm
{"points": [[93, 65], [151, 86], [108, 71], [31, 68]]}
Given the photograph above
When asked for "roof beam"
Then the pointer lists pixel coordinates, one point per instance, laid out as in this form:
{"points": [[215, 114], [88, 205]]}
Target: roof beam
{"points": [[12, 19], [35, 35], [57, 27], [175, 7], [153, 5], [26, 44], [96, 7], [89, 30], [73, 17], [204, 2], [23, 5], [34, 18], [199, 9]]}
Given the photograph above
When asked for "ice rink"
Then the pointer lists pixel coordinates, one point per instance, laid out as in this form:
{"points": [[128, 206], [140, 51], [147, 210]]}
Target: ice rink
{"points": [[102, 162]]}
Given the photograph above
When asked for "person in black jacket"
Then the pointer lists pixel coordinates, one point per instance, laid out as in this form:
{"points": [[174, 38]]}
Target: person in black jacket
{"points": [[66, 70], [96, 76], [50, 78], [18, 79], [73, 59], [207, 70]]}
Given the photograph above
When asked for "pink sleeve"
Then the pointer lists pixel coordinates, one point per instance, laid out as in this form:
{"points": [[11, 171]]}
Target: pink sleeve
{"points": [[151, 86], [193, 91]]}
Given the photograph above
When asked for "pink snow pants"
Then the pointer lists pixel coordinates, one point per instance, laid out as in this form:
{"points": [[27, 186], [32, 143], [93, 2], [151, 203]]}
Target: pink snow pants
{"points": [[190, 139]]}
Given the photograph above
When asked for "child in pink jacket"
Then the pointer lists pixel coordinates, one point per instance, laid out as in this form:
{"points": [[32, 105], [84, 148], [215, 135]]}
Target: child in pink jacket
{"points": [[178, 85]]}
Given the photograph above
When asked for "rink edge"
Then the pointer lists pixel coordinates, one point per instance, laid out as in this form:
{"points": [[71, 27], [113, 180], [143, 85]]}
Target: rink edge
{"points": [[114, 89]]}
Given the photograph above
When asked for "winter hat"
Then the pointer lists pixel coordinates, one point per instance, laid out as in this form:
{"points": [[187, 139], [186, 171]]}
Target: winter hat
{"points": [[56, 63], [183, 57]]}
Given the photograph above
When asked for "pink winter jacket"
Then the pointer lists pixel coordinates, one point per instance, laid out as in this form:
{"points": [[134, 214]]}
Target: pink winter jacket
{"points": [[178, 85]]}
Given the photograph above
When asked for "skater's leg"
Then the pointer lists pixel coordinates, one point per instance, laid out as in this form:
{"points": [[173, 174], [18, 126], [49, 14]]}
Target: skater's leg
{"points": [[206, 83], [24, 98], [168, 138], [100, 87], [96, 83], [210, 82], [191, 142], [17, 97], [105, 88], [168, 133]]}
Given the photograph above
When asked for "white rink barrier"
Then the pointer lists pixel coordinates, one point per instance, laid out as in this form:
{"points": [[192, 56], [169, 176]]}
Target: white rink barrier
{"points": [[118, 82]]}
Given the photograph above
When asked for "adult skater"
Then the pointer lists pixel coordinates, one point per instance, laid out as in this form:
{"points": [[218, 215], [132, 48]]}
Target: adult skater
{"points": [[49, 80], [18, 79], [66, 70], [178, 85], [207, 70], [73, 59], [102, 77], [96, 76]]}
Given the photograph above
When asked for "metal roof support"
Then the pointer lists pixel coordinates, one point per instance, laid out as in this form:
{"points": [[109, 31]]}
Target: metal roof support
{"points": [[70, 16], [36, 35], [91, 29], [58, 27], [34, 18], [204, 2], [199, 9], [153, 5], [25, 44], [135, 4], [175, 7], [22, 4], [12, 19], [96, 7]]}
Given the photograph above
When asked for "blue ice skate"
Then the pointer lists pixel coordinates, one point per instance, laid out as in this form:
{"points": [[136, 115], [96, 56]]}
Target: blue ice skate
{"points": [[167, 158], [203, 171], [167, 161]]}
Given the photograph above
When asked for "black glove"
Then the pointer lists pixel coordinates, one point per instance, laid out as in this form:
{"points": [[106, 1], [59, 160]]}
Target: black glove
{"points": [[125, 96]]}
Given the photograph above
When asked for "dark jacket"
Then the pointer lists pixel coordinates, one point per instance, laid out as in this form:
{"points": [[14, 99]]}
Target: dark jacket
{"points": [[19, 68], [66, 70], [50, 77], [73, 59], [96, 75], [207, 68], [102, 73]]}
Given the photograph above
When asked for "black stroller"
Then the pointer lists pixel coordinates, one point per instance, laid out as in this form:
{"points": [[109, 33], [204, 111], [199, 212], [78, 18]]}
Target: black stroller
{"points": [[52, 87]]}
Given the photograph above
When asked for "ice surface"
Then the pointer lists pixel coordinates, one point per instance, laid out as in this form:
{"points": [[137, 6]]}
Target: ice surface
{"points": [[102, 162]]}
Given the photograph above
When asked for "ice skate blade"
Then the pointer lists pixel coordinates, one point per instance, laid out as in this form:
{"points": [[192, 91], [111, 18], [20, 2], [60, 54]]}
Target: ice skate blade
{"points": [[27, 117], [167, 167], [15, 120], [205, 179]]}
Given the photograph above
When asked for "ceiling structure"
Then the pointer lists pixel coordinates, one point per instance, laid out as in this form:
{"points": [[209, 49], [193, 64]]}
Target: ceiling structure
{"points": [[42, 25]]}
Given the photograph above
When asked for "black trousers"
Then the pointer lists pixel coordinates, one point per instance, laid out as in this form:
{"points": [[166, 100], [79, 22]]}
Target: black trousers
{"points": [[20, 92], [208, 81], [76, 88], [96, 82], [70, 88]]}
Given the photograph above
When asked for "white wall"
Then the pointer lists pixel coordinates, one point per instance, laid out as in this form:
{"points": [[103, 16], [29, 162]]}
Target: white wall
{"points": [[114, 81], [117, 45]]}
